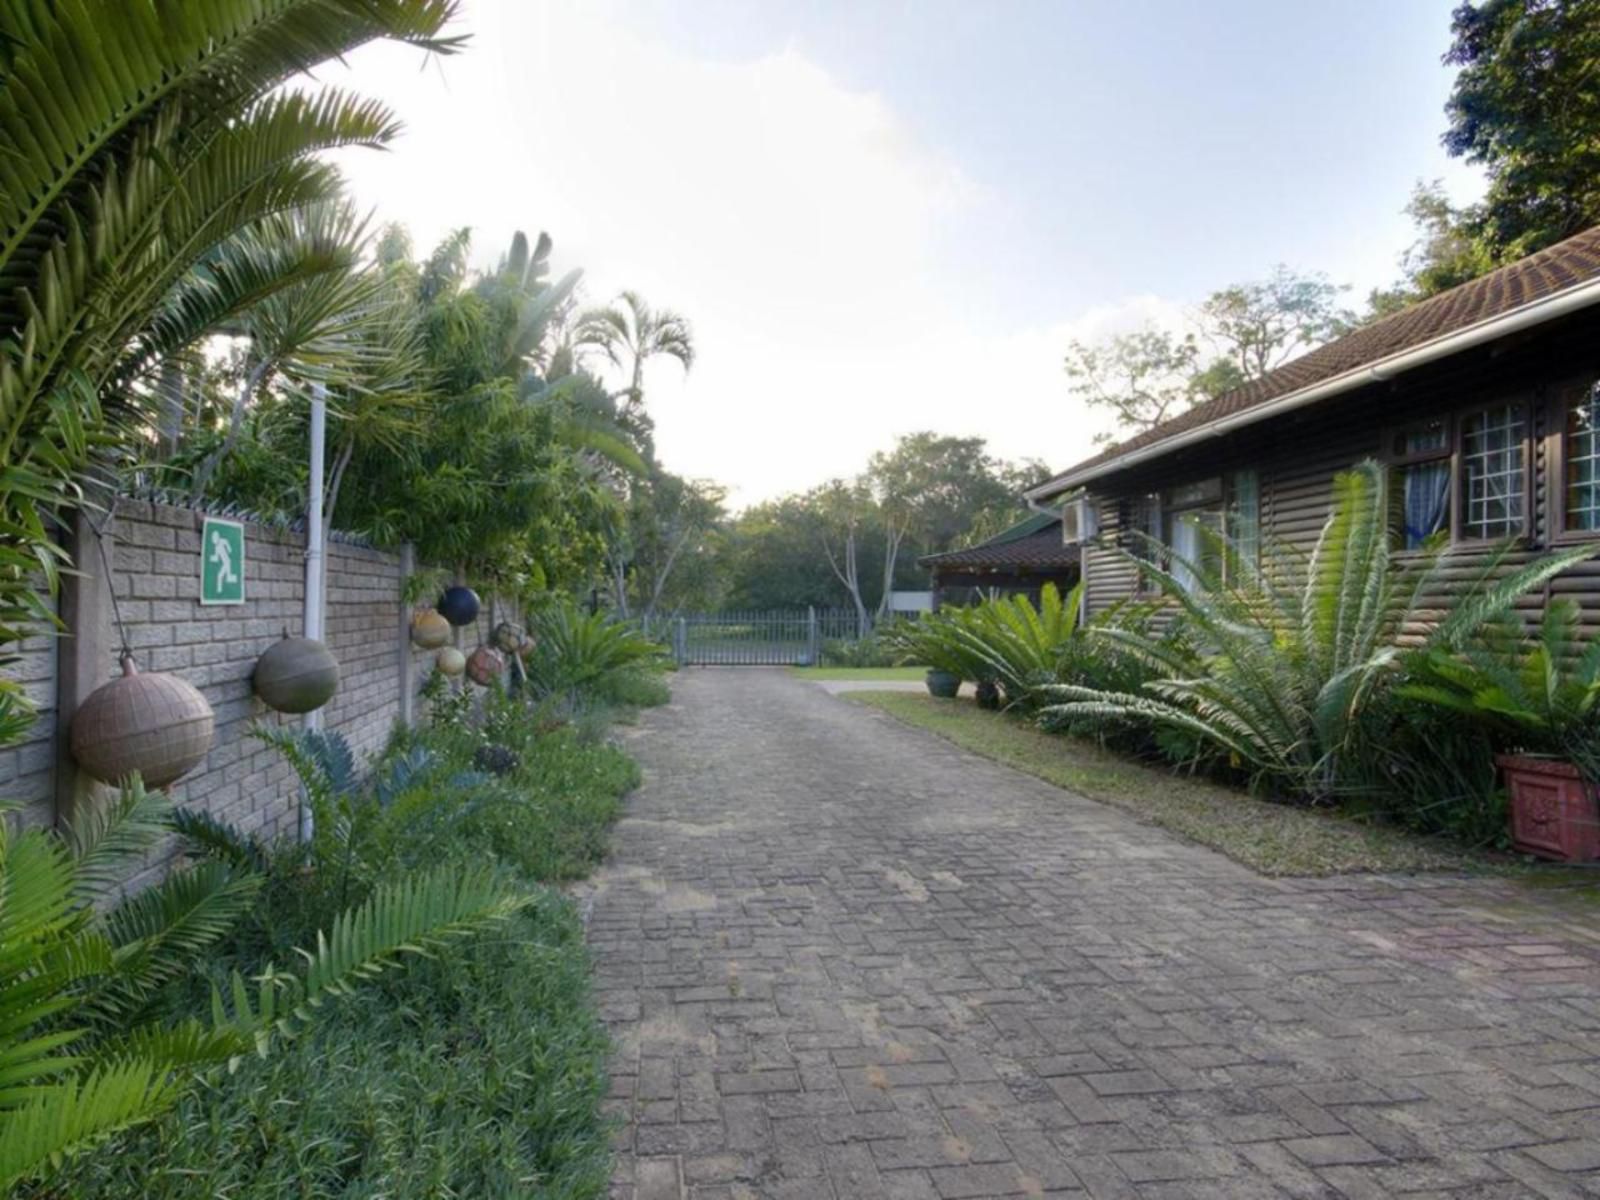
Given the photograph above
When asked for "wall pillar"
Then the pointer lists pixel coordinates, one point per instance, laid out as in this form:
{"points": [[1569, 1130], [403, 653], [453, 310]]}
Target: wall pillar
{"points": [[86, 652], [408, 688]]}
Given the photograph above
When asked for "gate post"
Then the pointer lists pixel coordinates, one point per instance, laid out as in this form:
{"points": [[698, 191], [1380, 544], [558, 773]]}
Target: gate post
{"points": [[812, 648], [680, 649]]}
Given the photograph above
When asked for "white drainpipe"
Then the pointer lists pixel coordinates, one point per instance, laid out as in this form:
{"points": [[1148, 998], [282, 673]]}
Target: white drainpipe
{"points": [[313, 624]]}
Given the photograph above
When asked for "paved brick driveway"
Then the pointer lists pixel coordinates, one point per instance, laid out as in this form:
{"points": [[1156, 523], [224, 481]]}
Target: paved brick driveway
{"points": [[844, 958]]}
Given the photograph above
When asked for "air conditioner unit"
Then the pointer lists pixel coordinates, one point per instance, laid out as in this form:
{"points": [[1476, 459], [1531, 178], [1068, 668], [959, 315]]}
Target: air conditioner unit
{"points": [[1078, 522]]}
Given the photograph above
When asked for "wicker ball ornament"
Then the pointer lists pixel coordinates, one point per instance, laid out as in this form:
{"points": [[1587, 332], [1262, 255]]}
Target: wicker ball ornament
{"points": [[296, 675], [459, 605], [450, 661], [158, 725], [507, 637], [484, 665], [429, 630]]}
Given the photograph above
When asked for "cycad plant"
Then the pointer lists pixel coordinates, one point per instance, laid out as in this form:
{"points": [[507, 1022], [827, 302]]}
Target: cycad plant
{"points": [[1024, 647], [151, 161], [575, 651], [1539, 695], [940, 642], [84, 1049], [1006, 640], [1278, 664]]}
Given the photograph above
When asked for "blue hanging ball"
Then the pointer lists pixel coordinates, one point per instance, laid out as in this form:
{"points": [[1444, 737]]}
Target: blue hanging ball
{"points": [[458, 605]]}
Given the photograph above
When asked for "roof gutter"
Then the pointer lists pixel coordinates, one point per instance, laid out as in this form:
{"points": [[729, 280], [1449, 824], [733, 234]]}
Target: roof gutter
{"points": [[1536, 313]]}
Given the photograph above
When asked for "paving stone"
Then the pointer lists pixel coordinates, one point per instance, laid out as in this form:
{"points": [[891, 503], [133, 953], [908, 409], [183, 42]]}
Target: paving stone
{"points": [[844, 958]]}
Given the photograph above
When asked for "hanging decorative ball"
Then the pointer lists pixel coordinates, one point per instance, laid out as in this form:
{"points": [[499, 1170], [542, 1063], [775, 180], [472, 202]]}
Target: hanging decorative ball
{"points": [[158, 725], [450, 661], [459, 605], [429, 630], [507, 637], [484, 665], [296, 675]]}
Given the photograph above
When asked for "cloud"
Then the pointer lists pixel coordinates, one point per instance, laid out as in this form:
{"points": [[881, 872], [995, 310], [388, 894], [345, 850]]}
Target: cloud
{"points": [[797, 222]]}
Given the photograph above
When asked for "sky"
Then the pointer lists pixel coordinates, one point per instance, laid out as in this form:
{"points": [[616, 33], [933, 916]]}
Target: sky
{"points": [[889, 216]]}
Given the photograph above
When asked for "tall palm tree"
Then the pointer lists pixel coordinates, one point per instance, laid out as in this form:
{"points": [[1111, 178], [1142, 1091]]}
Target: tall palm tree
{"points": [[630, 333], [151, 155]]}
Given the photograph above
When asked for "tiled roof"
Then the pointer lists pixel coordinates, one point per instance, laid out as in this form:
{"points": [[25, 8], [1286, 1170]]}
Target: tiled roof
{"points": [[1497, 294], [1040, 550]]}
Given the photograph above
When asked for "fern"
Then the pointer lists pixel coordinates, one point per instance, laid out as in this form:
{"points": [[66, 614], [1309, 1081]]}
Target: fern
{"points": [[408, 916]]}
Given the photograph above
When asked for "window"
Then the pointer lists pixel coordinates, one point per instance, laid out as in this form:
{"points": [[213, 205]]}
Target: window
{"points": [[1144, 520], [1494, 472], [1581, 463], [1465, 475], [1190, 521], [1244, 517], [1191, 516], [1421, 454]]}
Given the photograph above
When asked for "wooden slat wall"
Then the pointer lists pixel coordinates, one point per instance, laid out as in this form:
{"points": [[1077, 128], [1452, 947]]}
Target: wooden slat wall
{"points": [[1298, 455]]}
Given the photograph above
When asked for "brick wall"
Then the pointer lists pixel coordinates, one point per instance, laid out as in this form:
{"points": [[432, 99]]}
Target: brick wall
{"points": [[27, 770], [155, 579]]}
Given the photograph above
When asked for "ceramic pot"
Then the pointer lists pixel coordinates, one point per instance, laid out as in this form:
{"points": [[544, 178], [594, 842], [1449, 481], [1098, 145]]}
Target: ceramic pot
{"points": [[296, 675], [158, 725], [1554, 812], [459, 605], [484, 665], [429, 630]]}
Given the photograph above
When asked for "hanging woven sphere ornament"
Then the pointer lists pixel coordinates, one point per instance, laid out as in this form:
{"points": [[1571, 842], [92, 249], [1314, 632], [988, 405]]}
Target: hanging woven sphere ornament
{"points": [[156, 724], [507, 637], [450, 661], [296, 675], [429, 630], [484, 665], [459, 605]]}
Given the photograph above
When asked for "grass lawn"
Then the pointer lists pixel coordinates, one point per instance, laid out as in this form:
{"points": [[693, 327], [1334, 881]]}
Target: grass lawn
{"points": [[867, 674], [1271, 838]]}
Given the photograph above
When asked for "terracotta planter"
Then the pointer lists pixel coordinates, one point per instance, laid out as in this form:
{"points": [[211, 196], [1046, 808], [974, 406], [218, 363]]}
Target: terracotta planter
{"points": [[1554, 813]]}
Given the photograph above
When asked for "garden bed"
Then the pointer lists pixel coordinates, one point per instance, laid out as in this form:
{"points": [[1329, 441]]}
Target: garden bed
{"points": [[1274, 839], [477, 1071]]}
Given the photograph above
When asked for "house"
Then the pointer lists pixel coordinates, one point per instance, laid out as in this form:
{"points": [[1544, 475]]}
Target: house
{"points": [[1022, 559], [1484, 401]]}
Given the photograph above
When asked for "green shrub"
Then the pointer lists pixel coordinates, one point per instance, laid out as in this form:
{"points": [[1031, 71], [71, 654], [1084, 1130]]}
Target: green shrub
{"points": [[634, 687]]}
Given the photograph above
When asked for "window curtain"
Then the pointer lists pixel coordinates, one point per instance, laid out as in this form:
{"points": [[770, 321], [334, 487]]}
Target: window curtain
{"points": [[1245, 514], [1186, 549], [1427, 491]]}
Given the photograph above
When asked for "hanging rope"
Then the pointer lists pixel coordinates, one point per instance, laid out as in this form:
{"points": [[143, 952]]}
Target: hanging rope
{"points": [[100, 532]]}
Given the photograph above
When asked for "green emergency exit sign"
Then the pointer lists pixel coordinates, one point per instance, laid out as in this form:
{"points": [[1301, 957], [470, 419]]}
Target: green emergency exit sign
{"points": [[221, 562]]}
